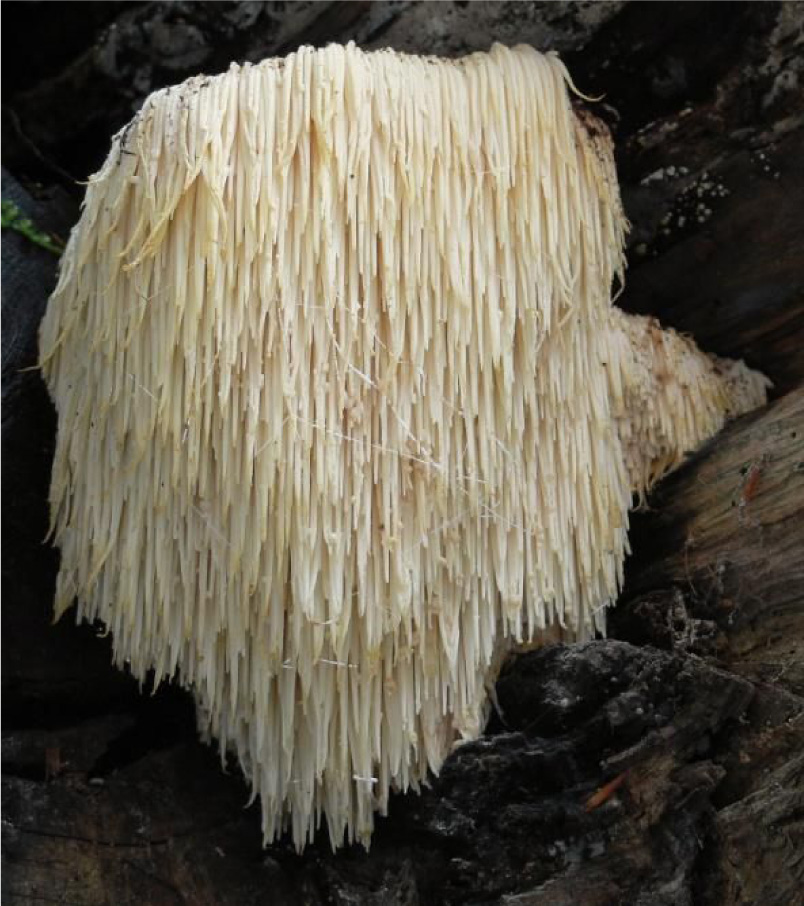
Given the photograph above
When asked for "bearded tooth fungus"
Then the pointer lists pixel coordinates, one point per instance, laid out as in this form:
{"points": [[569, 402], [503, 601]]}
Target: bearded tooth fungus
{"points": [[345, 409]]}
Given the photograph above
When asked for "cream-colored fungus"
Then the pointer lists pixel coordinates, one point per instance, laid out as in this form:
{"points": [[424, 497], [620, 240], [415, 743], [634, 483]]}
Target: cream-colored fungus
{"points": [[345, 409]]}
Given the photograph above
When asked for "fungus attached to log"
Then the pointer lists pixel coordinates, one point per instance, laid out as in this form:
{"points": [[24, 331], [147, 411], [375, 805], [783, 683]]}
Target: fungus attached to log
{"points": [[345, 409]]}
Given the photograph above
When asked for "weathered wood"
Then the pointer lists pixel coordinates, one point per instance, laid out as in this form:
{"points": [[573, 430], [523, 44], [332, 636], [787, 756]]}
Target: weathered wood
{"points": [[718, 567], [514, 812], [718, 572], [760, 841], [730, 241]]}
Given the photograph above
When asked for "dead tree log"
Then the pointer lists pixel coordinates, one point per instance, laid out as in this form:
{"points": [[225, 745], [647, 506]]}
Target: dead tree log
{"points": [[718, 569]]}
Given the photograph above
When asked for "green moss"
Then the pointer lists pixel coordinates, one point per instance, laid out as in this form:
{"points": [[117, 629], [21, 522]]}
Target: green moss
{"points": [[12, 218]]}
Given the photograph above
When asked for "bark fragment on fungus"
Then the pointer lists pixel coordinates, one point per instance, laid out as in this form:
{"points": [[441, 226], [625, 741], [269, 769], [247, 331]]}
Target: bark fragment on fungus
{"points": [[345, 409]]}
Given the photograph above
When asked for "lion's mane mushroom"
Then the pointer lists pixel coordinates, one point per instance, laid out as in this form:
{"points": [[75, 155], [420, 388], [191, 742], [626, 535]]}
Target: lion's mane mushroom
{"points": [[344, 406]]}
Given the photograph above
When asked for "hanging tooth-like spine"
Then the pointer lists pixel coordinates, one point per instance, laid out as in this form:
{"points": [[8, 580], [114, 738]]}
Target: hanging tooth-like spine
{"points": [[343, 404]]}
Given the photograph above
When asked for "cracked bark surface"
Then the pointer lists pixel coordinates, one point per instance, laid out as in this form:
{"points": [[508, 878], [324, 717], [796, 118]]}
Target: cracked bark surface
{"points": [[661, 766]]}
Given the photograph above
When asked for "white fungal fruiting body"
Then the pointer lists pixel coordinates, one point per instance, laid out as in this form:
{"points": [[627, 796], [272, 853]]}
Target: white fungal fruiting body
{"points": [[668, 397], [341, 395]]}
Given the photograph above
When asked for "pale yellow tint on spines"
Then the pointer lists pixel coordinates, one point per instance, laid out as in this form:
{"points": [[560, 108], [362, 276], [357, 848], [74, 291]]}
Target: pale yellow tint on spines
{"points": [[345, 411]]}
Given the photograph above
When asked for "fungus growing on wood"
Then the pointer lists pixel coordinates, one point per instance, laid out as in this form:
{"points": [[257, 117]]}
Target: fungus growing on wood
{"points": [[345, 409]]}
